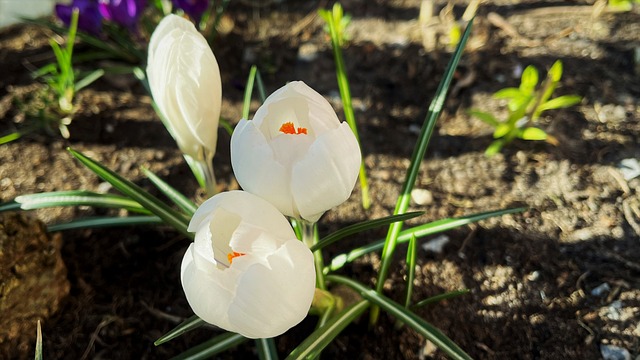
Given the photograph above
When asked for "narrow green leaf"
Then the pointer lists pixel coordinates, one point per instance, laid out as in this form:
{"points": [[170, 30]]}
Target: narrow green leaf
{"points": [[87, 80], [419, 232], [207, 349], [313, 345], [333, 22], [412, 251], [362, 226], [262, 93], [533, 133], [438, 298], [174, 195], [101, 222], [168, 215], [10, 137], [76, 198], [248, 92], [486, 117], [416, 158], [267, 349], [396, 310], [184, 327], [38, 353], [560, 102]]}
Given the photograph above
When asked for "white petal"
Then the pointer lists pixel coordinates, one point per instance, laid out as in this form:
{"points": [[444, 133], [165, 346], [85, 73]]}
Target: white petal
{"points": [[327, 174], [208, 294], [268, 302], [256, 169]]}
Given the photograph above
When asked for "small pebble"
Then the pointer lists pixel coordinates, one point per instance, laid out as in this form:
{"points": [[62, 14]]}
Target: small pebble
{"points": [[611, 352]]}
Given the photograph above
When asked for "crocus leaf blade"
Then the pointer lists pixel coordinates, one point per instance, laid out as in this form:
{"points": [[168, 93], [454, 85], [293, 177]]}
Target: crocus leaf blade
{"points": [[267, 349], [184, 327], [174, 195], [533, 133], [214, 346], [102, 221]]}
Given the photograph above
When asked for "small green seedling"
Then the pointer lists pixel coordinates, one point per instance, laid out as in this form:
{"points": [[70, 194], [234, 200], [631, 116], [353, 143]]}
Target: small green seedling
{"points": [[61, 79], [622, 5], [526, 103]]}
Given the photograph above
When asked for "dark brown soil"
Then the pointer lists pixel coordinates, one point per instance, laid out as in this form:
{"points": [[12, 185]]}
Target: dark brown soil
{"points": [[531, 275]]}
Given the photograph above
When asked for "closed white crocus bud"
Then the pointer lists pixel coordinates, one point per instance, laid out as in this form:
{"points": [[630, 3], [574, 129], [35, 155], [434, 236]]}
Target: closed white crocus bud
{"points": [[246, 272], [296, 153], [185, 83]]}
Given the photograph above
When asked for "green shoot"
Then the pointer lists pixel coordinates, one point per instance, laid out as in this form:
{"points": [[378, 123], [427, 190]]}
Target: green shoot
{"points": [[337, 21], [526, 104]]}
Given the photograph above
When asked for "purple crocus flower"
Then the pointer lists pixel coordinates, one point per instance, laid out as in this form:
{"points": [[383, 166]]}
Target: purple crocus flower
{"points": [[123, 12], [89, 18], [193, 8]]}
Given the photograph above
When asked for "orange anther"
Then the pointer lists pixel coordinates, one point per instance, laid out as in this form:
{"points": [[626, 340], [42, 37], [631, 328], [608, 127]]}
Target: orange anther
{"points": [[232, 255], [289, 128]]}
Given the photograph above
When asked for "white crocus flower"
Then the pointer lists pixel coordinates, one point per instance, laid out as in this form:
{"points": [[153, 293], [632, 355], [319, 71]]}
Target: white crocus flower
{"points": [[246, 272], [185, 83], [296, 153]]}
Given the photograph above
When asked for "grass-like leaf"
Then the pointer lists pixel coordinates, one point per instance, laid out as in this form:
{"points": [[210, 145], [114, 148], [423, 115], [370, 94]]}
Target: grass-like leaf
{"points": [[411, 268], [267, 349], [248, 92], [438, 298], [406, 316], [416, 159], [101, 222], [333, 19], [10, 137], [207, 349], [174, 195], [88, 79], [189, 324], [362, 226], [313, 345], [38, 354], [72, 198], [419, 232], [168, 215]]}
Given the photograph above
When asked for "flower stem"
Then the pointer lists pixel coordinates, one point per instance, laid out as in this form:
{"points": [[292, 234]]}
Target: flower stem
{"points": [[209, 176], [310, 238]]}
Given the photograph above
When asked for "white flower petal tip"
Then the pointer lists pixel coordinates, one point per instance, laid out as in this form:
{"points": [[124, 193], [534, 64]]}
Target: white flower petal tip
{"points": [[246, 272], [184, 79], [296, 154]]}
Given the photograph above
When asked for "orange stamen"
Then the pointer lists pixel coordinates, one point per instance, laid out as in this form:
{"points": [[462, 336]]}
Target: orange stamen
{"points": [[232, 255], [289, 128]]}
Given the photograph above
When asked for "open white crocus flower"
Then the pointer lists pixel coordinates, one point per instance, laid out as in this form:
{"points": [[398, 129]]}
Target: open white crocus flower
{"points": [[246, 272], [296, 153], [185, 83]]}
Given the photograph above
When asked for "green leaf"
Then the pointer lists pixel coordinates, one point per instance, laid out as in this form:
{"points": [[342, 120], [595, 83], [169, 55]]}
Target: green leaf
{"points": [[419, 232], [412, 251], [10, 137], [502, 130], [267, 349], [494, 147], [438, 298], [508, 93], [72, 198], [248, 92], [174, 195], [362, 226], [533, 133], [38, 352], [207, 349], [168, 215], [560, 102], [555, 73], [101, 222], [486, 117], [313, 345], [450, 348], [87, 80], [416, 159], [529, 80], [184, 327]]}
